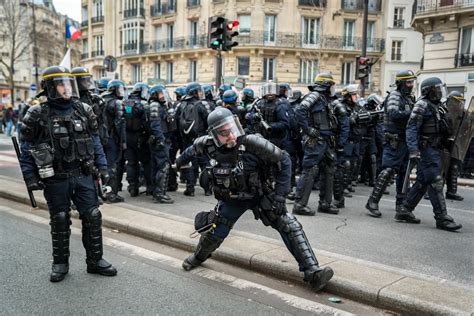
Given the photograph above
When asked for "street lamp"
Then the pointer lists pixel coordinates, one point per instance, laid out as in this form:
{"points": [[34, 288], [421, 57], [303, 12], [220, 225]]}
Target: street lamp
{"points": [[35, 51]]}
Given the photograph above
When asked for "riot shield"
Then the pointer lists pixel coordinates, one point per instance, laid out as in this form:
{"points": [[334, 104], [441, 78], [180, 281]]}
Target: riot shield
{"points": [[464, 133]]}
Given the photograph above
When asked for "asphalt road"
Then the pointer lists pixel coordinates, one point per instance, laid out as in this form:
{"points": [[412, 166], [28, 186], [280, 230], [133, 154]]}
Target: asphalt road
{"points": [[418, 248], [150, 279]]}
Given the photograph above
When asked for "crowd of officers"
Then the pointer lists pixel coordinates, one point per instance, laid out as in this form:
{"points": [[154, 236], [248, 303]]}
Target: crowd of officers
{"points": [[332, 141]]}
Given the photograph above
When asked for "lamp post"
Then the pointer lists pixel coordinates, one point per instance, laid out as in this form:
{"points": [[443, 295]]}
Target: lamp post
{"points": [[35, 50]]}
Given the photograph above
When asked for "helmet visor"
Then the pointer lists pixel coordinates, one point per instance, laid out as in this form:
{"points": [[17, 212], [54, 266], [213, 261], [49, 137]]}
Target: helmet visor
{"points": [[162, 96], [439, 91], [62, 87], [144, 93], [85, 83], [226, 132], [332, 90], [120, 91], [269, 89]]}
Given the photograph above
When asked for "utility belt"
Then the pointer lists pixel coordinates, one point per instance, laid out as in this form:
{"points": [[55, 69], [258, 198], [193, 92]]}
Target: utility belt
{"points": [[429, 141], [66, 175], [394, 140], [311, 141]]}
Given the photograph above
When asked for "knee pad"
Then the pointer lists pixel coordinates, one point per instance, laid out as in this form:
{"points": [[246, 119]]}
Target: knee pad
{"points": [[373, 158], [438, 184], [93, 217], [288, 223], [387, 173], [60, 221]]}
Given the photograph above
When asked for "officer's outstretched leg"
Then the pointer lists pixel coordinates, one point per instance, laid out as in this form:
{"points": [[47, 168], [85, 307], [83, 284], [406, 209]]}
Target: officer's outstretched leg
{"points": [[60, 231], [297, 243], [303, 191], [443, 220], [326, 190], [92, 241], [405, 212], [383, 180], [452, 181], [208, 243]]}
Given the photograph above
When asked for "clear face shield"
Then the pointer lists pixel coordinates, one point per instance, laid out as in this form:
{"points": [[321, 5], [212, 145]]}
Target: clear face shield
{"points": [[162, 96], [144, 93], [226, 132], [85, 83], [120, 91], [269, 91], [62, 87], [374, 101], [439, 92], [332, 90]]}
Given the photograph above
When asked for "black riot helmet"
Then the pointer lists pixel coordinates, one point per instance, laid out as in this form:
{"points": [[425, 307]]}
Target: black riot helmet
{"points": [[433, 89], [59, 83], [324, 82], [285, 90], [224, 127], [374, 101], [455, 99], [84, 79], [405, 81]]}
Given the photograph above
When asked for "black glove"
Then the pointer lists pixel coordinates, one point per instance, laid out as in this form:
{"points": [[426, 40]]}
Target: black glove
{"points": [[34, 183], [312, 132], [104, 176], [415, 158], [279, 204], [179, 162]]}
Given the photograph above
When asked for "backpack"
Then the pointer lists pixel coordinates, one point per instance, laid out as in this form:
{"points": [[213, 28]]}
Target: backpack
{"points": [[189, 120]]}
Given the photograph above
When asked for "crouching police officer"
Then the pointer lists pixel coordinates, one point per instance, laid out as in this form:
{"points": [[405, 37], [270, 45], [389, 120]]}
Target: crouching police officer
{"points": [[241, 166], [425, 131], [60, 151]]}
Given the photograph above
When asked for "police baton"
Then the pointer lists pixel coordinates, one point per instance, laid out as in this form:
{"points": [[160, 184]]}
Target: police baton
{"points": [[406, 180], [30, 193]]}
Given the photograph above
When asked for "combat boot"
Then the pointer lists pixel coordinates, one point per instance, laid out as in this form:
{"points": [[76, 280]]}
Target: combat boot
{"points": [[114, 198], [454, 196], [373, 208], [407, 216], [189, 191], [339, 203], [446, 222], [291, 196], [162, 198], [299, 209], [60, 233], [133, 191], [208, 243], [329, 208], [58, 272], [318, 279]]}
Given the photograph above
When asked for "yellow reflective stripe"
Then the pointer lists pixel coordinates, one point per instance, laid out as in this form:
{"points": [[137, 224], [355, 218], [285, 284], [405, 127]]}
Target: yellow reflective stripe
{"points": [[406, 77], [324, 78], [57, 75], [81, 74], [459, 98]]}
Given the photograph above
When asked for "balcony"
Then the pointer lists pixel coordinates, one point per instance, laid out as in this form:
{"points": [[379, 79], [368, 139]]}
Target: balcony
{"points": [[97, 53], [358, 5], [97, 19], [163, 9], [193, 3], [84, 55], [84, 23], [312, 3], [464, 60], [421, 7], [134, 13], [399, 24]]}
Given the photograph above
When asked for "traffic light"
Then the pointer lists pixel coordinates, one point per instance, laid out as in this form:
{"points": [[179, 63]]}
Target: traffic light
{"points": [[363, 67], [229, 33], [217, 25]]}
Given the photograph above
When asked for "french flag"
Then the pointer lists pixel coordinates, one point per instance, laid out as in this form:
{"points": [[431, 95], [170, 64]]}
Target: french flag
{"points": [[72, 32]]}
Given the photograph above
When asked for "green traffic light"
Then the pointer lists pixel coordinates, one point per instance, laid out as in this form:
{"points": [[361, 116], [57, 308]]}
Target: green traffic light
{"points": [[215, 43]]}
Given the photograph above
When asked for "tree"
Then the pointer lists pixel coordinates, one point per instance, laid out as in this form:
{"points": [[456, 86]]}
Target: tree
{"points": [[16, 38]]}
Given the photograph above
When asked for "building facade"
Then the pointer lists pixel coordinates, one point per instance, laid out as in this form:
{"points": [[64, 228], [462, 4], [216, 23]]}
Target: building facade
{"points": [[284, 41], [50, 45], [404, 44], [448, 32]]}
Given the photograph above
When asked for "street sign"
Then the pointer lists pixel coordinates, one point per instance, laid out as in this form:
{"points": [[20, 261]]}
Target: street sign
{"points": [[33, 87], [239, 83], [110, 63]]}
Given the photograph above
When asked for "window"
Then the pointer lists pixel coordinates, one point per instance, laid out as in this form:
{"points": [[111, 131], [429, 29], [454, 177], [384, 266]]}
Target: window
{"points": [[99, 45], [157, 33], [193, 40], [396, 50], [132, 34], [268, 69], [398, 21], [370, 34], [466, 48], [270, 28], [347, 73], [348, 36], [193, 70], [84, 14], [136, 73], [157, 70], [170, 33], [169, 72], [310, 31], [308, 70], [243, 65], [244, 26], [85, 46], [97, 8]]}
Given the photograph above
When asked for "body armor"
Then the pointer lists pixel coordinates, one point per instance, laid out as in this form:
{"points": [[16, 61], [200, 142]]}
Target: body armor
{"points": [[395, 120], [321, 115], [134, 111]]}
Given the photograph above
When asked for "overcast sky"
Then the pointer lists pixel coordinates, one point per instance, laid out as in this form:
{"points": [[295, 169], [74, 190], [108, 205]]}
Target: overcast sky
{"points": [[71, 8]]}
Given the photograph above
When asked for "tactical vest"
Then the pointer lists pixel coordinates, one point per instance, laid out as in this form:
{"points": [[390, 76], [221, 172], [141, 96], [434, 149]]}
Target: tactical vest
{"points": [[269, 112], [321, 116], [430, 127], [133, 115], [398, 126], [69, 136]]}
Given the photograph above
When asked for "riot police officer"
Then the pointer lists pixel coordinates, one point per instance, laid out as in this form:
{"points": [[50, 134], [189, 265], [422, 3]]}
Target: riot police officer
{"points": [[102, 84], [138, 133], [319, 124], [395, 154], [209, 95], [60, 151], [192, 123], [160, 147], [426, 129], [241, 181], [230, 101], [247, 98]]}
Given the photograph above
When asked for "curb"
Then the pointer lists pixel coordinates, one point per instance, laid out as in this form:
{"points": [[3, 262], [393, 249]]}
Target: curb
{"points": [[371, 285]]}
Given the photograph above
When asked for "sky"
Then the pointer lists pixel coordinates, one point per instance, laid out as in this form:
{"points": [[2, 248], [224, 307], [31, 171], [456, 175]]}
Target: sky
{"points": [[71, 8]]}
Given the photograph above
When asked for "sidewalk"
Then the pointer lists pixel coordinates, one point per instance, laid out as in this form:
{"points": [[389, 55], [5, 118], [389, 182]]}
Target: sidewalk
{"points": [[393, 289]]}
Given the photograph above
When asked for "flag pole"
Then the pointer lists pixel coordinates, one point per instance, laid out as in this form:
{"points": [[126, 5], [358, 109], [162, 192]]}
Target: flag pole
{"points": [[65, 34]]}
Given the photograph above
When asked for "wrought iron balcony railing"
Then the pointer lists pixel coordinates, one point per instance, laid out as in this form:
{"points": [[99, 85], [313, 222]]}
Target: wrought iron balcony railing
{"points": [[312, 3], [97, 53], [464, 60], [193, 3], [134, 13], [435, 6], [84, 55], [84, 23], [399, 24], [165, 8], [358, 5], [97, 19]]}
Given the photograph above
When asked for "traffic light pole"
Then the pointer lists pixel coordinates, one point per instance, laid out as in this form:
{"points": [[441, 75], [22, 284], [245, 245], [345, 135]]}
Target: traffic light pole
{"points": [[364, 43], [219, 68]]}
